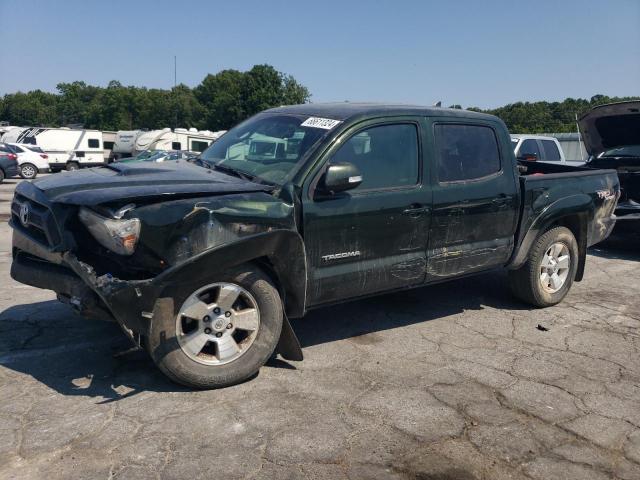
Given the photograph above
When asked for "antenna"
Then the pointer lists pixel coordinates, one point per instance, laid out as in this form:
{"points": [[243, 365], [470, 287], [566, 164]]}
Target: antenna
{"points": [[175, 71]]}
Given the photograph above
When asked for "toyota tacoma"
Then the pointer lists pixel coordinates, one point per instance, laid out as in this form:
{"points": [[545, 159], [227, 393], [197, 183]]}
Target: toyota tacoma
{"points": [[296, 208]]}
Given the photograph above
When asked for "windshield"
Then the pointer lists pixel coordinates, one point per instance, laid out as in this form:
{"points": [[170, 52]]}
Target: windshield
{"points": [[148, 154], [155, 157], [267, 146], [625, 151]]}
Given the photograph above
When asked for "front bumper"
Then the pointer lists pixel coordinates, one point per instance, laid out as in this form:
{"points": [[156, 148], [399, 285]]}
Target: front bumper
{"points": [[130, 303]]}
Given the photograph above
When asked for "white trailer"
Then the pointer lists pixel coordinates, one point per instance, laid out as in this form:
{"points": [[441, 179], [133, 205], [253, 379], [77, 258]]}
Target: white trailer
{"points": [[125, 143], [178, 139], [108, 142], [67, 148]]}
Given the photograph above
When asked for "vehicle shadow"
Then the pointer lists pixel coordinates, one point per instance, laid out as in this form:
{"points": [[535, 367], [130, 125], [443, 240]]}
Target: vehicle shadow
{"points": [[75, 356], [384, 312]]}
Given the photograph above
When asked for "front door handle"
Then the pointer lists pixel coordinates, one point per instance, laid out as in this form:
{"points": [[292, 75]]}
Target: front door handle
{"points": [[416, 210]]}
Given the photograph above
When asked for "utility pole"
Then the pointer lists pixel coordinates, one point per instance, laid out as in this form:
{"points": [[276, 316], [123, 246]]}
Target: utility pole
{"points": [[175, 91], [579, 137]]}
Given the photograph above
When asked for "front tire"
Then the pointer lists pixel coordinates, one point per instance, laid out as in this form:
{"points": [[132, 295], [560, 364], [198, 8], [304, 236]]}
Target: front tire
{"points": [[28, 171], [219, 333], [546, 278], [1, 175]]}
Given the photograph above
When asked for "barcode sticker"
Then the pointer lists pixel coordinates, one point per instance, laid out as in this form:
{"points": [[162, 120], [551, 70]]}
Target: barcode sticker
{"points": [[317, 122]]}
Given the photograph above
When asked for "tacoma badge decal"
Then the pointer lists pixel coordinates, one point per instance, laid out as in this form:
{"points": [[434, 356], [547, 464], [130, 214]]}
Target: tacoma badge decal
{"points": [[337, 256]]}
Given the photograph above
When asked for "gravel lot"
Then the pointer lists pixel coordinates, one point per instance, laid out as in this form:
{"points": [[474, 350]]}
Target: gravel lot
{"points": [[456, 381]]}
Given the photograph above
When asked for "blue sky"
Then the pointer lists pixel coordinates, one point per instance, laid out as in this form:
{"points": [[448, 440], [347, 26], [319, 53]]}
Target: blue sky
{"points": [[475, 53]]}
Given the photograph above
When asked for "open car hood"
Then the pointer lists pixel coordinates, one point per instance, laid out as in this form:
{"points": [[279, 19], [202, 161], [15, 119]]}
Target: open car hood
{"points": [[139, 180], [609, 126]]}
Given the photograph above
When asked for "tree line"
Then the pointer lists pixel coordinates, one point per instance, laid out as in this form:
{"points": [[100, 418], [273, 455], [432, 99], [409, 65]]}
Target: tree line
{"points": [[223, 99], [218, 102], [547, 117]]}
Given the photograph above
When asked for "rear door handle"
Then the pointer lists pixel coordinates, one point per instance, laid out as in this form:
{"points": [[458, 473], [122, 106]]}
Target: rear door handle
{"points": [[416, 210], [501, 200]]}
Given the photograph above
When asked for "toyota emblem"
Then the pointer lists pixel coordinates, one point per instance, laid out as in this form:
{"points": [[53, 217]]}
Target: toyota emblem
{"points": [[24, 214]]}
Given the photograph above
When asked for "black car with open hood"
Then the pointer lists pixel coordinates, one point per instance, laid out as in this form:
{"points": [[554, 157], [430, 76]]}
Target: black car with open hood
{"points": [[611, 136]]}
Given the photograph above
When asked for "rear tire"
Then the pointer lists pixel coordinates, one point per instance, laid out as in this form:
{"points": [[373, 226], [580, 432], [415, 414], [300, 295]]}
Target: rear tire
{"points": [[195, 346], [28, 171], [546, 278], [71, 166]]}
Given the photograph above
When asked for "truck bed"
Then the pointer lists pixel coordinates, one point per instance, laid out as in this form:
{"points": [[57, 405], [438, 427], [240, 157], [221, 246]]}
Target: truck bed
{"points": [[545, 185]]}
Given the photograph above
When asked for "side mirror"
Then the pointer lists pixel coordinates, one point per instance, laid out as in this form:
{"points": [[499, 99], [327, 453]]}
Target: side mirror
{"points": [[529, 157], [341, 177]]}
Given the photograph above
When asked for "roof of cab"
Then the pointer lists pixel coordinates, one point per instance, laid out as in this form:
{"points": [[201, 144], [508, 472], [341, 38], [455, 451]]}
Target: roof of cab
{"points": [[347, 110]]}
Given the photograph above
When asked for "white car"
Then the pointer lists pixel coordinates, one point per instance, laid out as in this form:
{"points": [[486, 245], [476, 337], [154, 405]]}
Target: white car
{"points": [[31, 160], [537, 148]]}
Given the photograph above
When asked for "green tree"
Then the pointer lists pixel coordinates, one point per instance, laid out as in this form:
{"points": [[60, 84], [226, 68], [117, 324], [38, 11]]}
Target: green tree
{"points": [[35, 108], [221, 96]]}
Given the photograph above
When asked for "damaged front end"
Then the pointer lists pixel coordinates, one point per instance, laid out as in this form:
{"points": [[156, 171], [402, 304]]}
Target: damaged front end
{"points": [[114, 261]]}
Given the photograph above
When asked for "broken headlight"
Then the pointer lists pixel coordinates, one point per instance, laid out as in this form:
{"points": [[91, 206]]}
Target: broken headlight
{"points": [[118, 235]]}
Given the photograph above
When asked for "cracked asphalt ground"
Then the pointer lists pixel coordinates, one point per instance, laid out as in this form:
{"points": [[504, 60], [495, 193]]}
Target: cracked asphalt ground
{"points": [[454, 381]]}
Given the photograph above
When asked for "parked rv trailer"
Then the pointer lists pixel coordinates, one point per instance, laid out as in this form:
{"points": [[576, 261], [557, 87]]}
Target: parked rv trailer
{"points": [[67, 148], [108, 141], [178, 139], [125, 143]]}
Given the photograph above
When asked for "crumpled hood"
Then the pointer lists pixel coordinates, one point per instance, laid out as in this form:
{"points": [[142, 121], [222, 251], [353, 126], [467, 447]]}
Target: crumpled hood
{"points": [[612, 125], [139, 180]]}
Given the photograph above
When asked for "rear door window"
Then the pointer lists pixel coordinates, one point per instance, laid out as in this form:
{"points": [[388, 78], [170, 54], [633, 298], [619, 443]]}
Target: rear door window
{"points": [[466, 152], [551, 152]]}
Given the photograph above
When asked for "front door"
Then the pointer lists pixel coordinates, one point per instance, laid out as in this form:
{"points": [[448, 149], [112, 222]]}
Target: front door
{"points": [[372, 238]]}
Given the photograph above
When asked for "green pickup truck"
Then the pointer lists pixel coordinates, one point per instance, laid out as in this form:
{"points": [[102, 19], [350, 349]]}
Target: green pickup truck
{"points": [[297, 208]]}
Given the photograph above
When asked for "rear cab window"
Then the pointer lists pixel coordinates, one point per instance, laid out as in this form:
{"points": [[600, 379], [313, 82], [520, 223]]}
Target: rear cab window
{"points": [[466, 152]]}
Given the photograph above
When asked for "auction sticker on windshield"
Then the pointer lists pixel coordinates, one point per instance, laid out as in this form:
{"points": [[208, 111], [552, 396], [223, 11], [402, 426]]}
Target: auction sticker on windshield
{"points": [[317, 122]]}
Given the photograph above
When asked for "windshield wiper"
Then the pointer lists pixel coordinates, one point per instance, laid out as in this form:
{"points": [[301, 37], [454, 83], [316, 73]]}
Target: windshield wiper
{"points": [[233, 171]]}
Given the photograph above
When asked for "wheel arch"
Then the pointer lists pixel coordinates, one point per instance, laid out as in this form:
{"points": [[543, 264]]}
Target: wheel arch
{"points": [[575, 213], [280, 254]]}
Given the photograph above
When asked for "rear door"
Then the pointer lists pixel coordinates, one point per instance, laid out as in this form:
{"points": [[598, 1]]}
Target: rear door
{"points": [[475, 198], [372, 238]]}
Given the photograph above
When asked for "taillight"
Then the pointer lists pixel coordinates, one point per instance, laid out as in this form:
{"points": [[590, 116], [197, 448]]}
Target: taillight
{"points": [[13, 156], [44, 155]]}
